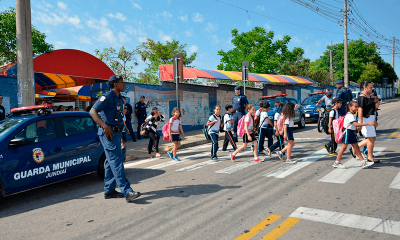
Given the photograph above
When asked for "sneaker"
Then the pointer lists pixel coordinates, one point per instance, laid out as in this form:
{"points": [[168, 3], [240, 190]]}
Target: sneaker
{"points": [[290, 161], [366, 164], [232, 157], [214, 159], [280, 155], [333, 154], [267, 152], [257, 160], [176, 159], [338, 165], [170, 155], [226, 150], [352, 153]]}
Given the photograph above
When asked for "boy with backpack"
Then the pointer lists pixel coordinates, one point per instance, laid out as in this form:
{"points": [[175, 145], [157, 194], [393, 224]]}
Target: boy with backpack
{"points": [[331, 146], [213, 124], [228, 125]]}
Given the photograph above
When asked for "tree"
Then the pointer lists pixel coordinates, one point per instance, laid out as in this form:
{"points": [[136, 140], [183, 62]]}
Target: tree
{"points": [[371, 73], [257, 47], [159, 53], [119, 61], [8, 38]]}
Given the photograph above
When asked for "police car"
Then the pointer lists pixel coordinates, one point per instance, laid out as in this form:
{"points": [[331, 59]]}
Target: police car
{"points": [[299, 118], [38, 147], [311, 110]]}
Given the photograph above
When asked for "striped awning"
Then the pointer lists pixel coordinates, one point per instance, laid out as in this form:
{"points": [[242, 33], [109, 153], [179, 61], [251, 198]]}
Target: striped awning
{"points": [[167, 74]]}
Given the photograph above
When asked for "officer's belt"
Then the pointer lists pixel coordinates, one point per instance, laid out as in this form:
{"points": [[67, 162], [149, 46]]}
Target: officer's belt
{"points": [[242, 110]]}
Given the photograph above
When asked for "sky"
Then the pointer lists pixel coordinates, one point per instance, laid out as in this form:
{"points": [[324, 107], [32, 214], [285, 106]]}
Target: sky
{"points": [[204, 25]]}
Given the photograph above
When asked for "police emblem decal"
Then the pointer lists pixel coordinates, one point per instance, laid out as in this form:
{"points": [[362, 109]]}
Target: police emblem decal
{"points": [[102, 98], [38, 155]]}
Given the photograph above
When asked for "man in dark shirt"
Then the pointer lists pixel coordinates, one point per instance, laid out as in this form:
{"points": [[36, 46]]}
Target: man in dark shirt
{"points": [[140, 111], [2, 110], [239, 102], [344, 94], [128, 115]]}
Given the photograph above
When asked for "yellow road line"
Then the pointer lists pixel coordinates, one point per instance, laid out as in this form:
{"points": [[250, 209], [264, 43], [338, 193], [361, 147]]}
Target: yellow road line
{"points": [[281, 229], [398, 136], [259, 227], [393, 134]]}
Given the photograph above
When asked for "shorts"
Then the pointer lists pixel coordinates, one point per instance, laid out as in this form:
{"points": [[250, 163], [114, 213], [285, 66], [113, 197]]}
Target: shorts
{"points": [[350, 136], [289, 134], [176, 137], [368, 131], [253, 138]]}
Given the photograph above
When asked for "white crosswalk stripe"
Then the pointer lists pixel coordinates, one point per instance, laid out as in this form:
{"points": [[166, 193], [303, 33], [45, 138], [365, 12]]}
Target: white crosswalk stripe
{"points": [[396, 182], [352, 167], [170, 163]]}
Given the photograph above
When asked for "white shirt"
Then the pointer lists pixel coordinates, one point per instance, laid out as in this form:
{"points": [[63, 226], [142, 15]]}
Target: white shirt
{"points": [[214, 128], [276, 117], [334, 114], [175, 125], [289, 122], [227, 124], [263, 119], [348, 120], [257, 113], [249, 120]]}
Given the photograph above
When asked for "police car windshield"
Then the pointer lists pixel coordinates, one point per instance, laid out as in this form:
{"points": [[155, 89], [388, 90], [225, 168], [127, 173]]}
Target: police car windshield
{"points": [[311, 100], [8, 124]]}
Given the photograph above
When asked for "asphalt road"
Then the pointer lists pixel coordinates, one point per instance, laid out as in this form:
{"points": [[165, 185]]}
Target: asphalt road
{"points": [[200, 199]]}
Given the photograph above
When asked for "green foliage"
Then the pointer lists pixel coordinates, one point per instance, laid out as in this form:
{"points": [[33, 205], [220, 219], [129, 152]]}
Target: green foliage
{"points": [[120, 61], [371, 73], [159, 53], [257, 47], [8, 38]]}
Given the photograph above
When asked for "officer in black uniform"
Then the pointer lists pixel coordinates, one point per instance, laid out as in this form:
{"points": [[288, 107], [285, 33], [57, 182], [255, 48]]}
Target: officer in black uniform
{"points": [[345, 94], [2, 110], [140, 111], [110, 122], [239, 102]]}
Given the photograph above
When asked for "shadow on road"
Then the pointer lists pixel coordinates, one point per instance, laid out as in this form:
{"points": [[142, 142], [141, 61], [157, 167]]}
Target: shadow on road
{"points": [[181, 191]]}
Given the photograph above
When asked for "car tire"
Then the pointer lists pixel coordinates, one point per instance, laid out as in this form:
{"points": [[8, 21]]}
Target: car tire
{"points": [[302, 123], [100, 168], [319, 126]]}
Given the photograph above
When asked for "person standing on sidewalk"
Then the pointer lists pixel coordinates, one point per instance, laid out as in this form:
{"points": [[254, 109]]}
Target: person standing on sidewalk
{"points": [[128, 115], [140, 111], [110, 106], [239, 102]]}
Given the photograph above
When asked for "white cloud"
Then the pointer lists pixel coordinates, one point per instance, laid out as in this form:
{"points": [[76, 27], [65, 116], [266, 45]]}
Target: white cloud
{"points": [[197, 17], [60, 44], [85, 40], [165, 14], [260, 8], [118, 16], [62, 5], [137, 31], [44, 6], [296, 39], [211, 27], [136, 5], [184, 18], [193, 49], [267, 26], [123, 37], [214, 39], [189, 32], [50, 18], [104, 33], [164, 37]]}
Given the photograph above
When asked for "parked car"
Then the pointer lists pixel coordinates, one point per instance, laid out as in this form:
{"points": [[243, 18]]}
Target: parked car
{"points": [[299, 118], [355, 95], [311, 110], [42, 147]]}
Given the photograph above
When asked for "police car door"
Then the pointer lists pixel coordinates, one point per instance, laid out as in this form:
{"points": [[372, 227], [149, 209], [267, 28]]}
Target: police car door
{"points": [[296, 111], [31, 163], [82, 145]]}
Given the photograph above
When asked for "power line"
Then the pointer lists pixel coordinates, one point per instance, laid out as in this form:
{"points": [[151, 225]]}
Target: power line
{"points": [[262, 15]]}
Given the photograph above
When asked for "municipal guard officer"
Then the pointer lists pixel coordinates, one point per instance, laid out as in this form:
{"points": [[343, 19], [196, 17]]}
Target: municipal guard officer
{"points": [[239, 102], [110, 122], [140, 111], [345, 94]]}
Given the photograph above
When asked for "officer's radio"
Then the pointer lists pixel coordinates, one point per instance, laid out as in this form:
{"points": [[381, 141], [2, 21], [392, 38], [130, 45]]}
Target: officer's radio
{"points": [[117, 114]]}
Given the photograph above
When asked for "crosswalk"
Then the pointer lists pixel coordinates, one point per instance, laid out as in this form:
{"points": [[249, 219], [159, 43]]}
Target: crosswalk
{"points": [[194, 159]]}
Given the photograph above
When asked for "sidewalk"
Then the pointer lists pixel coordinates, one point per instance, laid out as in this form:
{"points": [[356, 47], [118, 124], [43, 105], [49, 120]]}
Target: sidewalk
{"points": [[138, 150]]}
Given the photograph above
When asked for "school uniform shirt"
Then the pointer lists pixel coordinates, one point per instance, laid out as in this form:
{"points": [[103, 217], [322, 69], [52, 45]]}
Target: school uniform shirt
{"points": [[248, 119], [289, 122], [334, 114], [227, 125], [258, 112], [348, 120], [175, 125], [263, 120], [214, 128], [276, 118]]}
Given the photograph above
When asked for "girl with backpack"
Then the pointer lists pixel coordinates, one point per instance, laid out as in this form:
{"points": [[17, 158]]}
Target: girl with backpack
{"points": [[249, 134], [331, 146], [288, 114], [175, 125], [264, 122], [151, 129], [214, 123], [350, 136], [278, 132]]}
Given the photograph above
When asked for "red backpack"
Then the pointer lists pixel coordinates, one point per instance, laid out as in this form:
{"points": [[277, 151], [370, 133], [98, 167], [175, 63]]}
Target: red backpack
{"points": [[281, 123], [165, 130]]}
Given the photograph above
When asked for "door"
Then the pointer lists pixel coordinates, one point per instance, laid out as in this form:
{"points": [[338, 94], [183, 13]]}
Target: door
{"points": [[297, 111], [32, 164]]}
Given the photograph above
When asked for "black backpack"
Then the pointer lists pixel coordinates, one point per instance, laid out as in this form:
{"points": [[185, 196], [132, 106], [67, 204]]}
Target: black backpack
{"points": [[325, 120], [221, 126]]}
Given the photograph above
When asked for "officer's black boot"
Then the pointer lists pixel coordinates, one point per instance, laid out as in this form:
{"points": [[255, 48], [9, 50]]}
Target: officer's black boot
{"points": [[132, 196]]}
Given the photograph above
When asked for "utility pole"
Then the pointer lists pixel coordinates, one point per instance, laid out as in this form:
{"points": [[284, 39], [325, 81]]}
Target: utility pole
{"points": [[393, 94], [331, 63], [346, 56], [26, 80]]}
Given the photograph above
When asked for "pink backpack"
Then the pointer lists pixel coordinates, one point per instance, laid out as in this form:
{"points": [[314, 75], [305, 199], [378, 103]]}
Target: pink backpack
{"points": [[165, 131], [240, 127], [281, 123], [338, 128]]}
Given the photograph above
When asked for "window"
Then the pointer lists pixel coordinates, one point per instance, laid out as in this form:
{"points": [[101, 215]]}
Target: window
{"points": [[78, 125], [293, 101], [40, 131]]}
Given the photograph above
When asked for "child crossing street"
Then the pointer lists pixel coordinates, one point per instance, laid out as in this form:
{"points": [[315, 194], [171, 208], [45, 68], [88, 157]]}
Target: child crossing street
{"points": [[288, 113], [228, 124], [214, 123], [331, 146], [279, 137], [175, 125]]}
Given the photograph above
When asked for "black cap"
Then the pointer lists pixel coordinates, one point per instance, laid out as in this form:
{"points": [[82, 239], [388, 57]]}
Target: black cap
{"points": [[336, 100], [339, 82], [238, 88], [115, 78]]}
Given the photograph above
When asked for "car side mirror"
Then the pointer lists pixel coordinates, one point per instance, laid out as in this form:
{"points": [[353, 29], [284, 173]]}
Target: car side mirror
{"points": [[17, 142]]}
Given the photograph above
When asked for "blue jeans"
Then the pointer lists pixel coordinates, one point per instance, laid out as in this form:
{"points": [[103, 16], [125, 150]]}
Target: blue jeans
{"points": [[278, 143], [261, 138], [214, 147]]}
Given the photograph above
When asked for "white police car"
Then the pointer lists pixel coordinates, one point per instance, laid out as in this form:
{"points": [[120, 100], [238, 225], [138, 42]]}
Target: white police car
{"points": [[44, 147]]}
